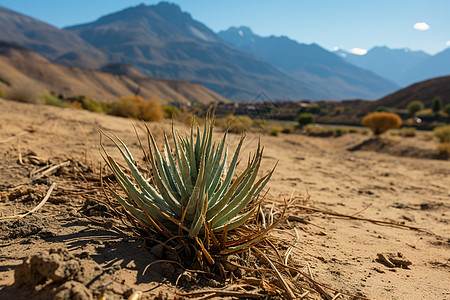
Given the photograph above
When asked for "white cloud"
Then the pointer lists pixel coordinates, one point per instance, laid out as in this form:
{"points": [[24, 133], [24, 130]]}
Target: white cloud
{"points": [[336, 48], [241, 33], [358, 51], [422, 26], [447, 43]]}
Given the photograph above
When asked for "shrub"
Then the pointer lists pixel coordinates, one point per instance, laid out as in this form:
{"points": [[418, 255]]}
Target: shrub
{"points": [[138, 107], [447, 109], [322, 131], [305, 119], [408, 132], [2, 94], [275, 130], [239, 124], [427, 112], [171, 112], [442, 133], [192, 201], [50, 99], [382, 108], [444, 148], [437, 105], [288, 129], [415, 106], [27, 91], [380, 122]]}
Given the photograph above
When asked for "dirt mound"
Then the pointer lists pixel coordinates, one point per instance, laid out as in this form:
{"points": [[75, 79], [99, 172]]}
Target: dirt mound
{"points": [[384, 145]]}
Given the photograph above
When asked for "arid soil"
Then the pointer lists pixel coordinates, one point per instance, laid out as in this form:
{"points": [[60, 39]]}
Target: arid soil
{"points": [[68, 241]]}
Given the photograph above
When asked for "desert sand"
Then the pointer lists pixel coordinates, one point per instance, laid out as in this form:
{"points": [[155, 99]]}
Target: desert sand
{"points": [[340, 252]]}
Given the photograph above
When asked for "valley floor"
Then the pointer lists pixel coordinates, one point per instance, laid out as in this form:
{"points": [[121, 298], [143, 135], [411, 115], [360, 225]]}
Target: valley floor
{"points": [[341, 252]]}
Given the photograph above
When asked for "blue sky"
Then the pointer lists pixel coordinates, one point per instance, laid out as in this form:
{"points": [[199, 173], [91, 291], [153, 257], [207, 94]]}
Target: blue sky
{"points": [[347, 24]]}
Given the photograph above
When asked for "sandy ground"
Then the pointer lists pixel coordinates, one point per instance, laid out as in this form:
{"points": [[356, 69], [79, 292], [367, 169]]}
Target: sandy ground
{"points": [[341, 252]]}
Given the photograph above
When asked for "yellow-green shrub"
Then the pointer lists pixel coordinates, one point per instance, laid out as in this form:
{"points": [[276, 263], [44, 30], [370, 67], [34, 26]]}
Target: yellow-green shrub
{"points": [[138, 107], [2, 94], [171, 112], [50, 99], [238, 124], [275, 130], [442, 133], [380, 122]]}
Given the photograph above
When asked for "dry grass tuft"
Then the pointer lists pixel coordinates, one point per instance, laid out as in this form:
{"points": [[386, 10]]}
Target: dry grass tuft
{"points": [[139, 108], [27, 91]]}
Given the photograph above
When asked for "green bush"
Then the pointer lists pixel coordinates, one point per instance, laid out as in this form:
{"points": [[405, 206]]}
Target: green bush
{"points": [[380, 122], [275, 130], [50, 99], [442, 133], [305, 119], [382, 108], [170, 112], [415, 106], [447, 109], [437, 105]]}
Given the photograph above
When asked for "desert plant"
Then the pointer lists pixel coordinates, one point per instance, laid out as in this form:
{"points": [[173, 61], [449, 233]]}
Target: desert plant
{"points": [[50, 99], [408, 132], [171, 112], [27, 91], [275, 130], [427, 112], [2, 94], [437, 105], [193, 195], [138, 107], [447, 109], [380, 122], [444, 148], [415, 106], [305, 119], [239, 124], [382, 108], [442, 133]]}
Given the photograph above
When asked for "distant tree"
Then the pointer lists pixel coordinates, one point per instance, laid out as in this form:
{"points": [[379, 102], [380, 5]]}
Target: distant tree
{"points": [[447, 109], [415, 106], [437, 105], [305, 119], [382, 108], [380, 122]]}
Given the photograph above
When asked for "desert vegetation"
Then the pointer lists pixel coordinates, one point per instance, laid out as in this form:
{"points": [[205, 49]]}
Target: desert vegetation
{"points": [[380, 122]]}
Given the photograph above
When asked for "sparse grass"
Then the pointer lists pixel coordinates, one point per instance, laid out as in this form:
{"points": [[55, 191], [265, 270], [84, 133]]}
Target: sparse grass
{"points": [[405, 132], [442, 133], [26, 91], [322, 131], [427, 112]]}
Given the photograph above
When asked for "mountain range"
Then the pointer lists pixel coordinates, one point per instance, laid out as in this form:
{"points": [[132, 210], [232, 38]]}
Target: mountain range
{"points": [[318, 67], [402, 66], [162, 41]]}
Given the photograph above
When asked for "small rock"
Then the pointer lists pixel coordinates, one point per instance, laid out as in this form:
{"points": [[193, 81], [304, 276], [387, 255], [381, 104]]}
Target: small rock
{"points": [[157, 251], [72, 290]]}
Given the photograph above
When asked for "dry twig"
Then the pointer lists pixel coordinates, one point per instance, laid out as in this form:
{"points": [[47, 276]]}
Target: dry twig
{"points": [[34, 209]]}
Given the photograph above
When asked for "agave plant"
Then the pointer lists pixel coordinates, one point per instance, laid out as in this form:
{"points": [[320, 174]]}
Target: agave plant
{"points": [[193, 192]]}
